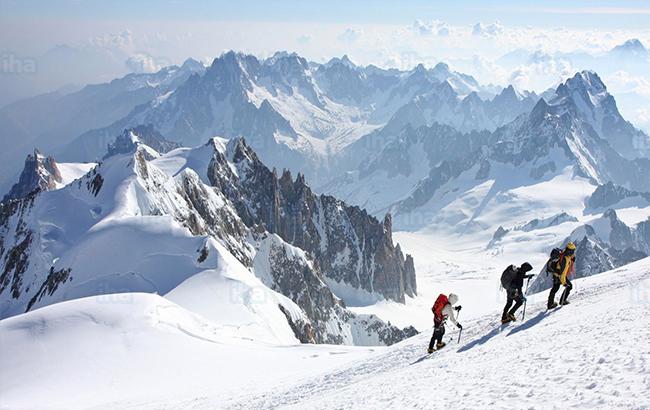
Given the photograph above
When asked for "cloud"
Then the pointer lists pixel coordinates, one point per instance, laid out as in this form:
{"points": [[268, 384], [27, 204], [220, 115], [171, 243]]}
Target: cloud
{"points": [[624, 82], [435, 27], [122, 41], [596, 10], [144, 63], [490, 30], [350, 35], [304, 39], [541, 71]]}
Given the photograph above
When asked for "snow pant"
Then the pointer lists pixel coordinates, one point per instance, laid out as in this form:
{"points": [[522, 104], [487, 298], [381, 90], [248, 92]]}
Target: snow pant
{"points": [[513, 296], [556, 286], [438, 333]]}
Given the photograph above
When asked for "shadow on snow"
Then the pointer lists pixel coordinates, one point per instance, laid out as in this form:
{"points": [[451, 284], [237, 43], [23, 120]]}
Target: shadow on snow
{"points": [[481, 340], [531, 322]]}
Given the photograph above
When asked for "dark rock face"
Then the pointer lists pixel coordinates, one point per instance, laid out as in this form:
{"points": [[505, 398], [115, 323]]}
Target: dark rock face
{"points": [[304, 285], [499, 234], [347, 244], [54, 279], [205, 218], [610, 194], [39, 174], [14, 244], [554, 220], [592, 258]]}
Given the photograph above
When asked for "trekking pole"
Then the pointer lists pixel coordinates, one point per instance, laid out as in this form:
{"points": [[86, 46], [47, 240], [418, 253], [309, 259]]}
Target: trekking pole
{"points": [[523, 315], [460, 332]]}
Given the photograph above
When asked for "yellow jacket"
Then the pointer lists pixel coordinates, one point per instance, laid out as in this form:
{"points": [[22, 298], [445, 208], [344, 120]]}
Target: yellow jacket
{"points": [[564, 268]]}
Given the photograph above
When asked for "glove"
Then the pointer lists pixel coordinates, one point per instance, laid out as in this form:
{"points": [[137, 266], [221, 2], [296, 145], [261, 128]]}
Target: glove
{"points": [[459, 326], [458, 308]]}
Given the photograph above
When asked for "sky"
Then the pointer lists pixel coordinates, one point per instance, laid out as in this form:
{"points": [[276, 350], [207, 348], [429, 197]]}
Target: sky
{"points": [[49, 44]]}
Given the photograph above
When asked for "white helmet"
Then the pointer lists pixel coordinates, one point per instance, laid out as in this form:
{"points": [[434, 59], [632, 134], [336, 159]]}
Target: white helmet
{"points": [[453, 298]]}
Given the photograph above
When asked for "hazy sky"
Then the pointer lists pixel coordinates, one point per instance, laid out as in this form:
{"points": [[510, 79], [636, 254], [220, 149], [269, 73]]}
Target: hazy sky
{"points": [[85, 41]]}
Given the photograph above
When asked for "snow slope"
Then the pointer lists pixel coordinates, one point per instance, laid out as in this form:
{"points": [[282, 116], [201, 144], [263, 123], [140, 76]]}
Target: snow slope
{"points": [[141, 351], [591, 354], [71, 171], [136, 348]]}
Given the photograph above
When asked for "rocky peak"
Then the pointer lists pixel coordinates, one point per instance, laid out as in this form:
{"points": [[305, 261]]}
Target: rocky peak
{"points": [[472, 100], [539, 112], [388, 225], [350, 246], [418, 75], [289, 69], [631, 47], [610, 194], [446, 91], [584, 81], [192, 65], [131, 138], [343, 61], [507, 96], [442, 68], [239, 152], [232, 69], [40, 173]]}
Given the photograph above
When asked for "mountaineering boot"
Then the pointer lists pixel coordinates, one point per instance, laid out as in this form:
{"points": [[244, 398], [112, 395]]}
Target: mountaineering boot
{"points": [[505, 319], [440, 345], [565, 302], [552, 306], [430, 350], [512, 317]]}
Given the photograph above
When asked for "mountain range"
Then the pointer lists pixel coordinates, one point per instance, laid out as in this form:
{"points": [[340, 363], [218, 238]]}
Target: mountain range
{"points": [[264, 251], [284, 223]]}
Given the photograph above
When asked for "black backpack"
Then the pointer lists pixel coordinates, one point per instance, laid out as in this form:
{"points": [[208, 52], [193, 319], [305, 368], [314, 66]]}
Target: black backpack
{"points": [[556, 255], [508, 276]]}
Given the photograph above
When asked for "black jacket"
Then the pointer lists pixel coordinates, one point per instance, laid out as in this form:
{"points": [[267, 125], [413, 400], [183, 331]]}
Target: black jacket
{"points": [[518, 281]]}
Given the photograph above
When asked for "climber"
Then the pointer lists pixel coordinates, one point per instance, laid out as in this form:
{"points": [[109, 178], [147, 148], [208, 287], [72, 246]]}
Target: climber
{"points": [[561, 271], [443, 309], [512, 280]]}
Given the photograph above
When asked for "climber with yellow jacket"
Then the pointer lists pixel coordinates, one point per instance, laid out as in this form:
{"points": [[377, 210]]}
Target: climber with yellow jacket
{"points": [[561, 268]]}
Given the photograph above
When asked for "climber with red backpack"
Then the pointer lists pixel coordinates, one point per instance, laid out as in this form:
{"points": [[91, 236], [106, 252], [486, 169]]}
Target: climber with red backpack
{"points": [[561, 265], [443, 309]]}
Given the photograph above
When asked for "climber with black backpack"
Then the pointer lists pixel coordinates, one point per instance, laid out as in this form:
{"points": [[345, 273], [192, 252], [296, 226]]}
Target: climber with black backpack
{"points": [[561, 265], [512, 280], [443, 309]]}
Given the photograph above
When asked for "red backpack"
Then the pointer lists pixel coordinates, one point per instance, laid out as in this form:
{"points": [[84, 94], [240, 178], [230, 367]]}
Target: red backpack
{"points": [[440, 303]]}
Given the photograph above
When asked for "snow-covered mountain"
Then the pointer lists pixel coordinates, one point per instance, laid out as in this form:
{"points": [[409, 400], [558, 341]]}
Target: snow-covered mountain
{"points": [[43, 173], [427, 166], [586, 97], [610, 195], [630, 49], [54, 119], [213, 230], [296, 114]]}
